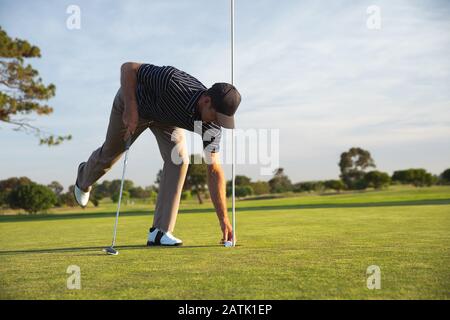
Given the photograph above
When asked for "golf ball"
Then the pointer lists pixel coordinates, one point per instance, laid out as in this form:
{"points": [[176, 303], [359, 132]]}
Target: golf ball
{"points": [[228, 244]]}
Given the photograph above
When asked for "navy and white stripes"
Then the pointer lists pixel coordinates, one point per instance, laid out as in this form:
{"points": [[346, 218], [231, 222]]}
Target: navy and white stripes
{"points": [[168, 95]]}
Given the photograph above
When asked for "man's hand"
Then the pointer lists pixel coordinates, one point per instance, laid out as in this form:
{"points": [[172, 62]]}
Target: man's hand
{"points": [[128, 79], [227, 231]]}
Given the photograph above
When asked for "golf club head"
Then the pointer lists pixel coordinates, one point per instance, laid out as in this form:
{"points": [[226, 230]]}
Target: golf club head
{"points": [[111, 251]]}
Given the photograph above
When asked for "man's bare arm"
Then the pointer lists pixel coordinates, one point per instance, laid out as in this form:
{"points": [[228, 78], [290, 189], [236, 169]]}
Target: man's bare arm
{"points": [[217, 190], [128, 82]]}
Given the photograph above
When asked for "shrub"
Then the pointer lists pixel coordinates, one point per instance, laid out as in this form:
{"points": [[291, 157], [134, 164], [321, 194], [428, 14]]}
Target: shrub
{"points": [[337, 185], [445, 176], [260, 187], [125, 196], [32, 198], [377, 179], [67, 199], [280, 182], [243, 191], [7, 185], [416, 177], [139, 193], [303, 187]]}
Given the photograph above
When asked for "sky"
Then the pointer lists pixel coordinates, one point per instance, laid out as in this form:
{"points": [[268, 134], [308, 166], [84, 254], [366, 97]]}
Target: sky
{"points": [[313, 71]]}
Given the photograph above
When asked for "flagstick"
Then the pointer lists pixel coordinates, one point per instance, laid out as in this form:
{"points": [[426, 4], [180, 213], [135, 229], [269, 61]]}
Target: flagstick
{"points": [[233, 207]]}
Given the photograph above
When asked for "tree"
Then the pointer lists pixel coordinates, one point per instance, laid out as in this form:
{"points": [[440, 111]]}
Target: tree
{"points": [[303, 187], [139, 193], [260, 187], [377, 179], [243, 191], [125, 196], [416, 177], [445, 176], [32, 198], [6, 186], [280, 182], [102, 190], [337, 185], [67, 199], [239, 181], [56, 187], [152, 193], [196, 177], [22, 90], [353, 164], [114, 187]]}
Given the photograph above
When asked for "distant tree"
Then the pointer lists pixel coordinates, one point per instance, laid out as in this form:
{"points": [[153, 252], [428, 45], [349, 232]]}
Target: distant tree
{"points": [[353, 164], [32, 198], [280, 182], [139, 193], [152, 193], [114, 187], [445, 176], [337, 185], [377, 179], [56, 187], [66, 199], [196, 177], [102, 190], [243, 191], [7, 185], [125, 196], [303, 187], [416, 177], [22, 90], [260, 187], [240, 181]]}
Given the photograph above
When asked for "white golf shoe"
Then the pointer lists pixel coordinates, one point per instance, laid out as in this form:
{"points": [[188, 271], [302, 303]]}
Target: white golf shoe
{"points": [[82, 197], [157, 237]]}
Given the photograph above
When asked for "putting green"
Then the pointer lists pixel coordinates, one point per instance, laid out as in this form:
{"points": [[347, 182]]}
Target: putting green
{"points": [[302, 247]]}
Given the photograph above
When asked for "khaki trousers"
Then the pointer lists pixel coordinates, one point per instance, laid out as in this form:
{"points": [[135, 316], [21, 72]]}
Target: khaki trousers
{"points": [[172, 145]]}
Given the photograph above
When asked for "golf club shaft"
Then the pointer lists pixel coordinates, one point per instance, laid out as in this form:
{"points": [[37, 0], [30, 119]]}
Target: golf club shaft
{"points": [[120, 193], [233, 209]]}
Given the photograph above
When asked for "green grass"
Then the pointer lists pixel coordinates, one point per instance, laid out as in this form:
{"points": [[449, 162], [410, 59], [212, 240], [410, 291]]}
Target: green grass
{"points": [[302, 247]]}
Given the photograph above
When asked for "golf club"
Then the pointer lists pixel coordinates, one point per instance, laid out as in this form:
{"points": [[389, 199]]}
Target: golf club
{"points": [[110, 250]]}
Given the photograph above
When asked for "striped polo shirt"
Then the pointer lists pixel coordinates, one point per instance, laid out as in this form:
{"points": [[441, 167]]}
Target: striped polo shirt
{"points": [[168, 95]]}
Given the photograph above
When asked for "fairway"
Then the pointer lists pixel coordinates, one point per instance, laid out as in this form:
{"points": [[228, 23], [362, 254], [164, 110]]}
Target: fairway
{"points": [[299, 247]]}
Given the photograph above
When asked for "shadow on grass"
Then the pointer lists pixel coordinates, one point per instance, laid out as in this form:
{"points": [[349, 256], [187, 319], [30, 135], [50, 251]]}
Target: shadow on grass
{"points": [[99, 250], [106, 214]]}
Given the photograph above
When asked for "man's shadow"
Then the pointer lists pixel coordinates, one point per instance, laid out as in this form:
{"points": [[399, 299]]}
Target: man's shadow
{"points": [[100, 249]]}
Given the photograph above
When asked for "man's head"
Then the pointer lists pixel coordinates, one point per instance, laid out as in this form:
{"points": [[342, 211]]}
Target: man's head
{"points": [[219, 104]]}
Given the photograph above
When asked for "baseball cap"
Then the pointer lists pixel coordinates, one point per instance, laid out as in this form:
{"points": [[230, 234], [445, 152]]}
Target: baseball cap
{"points": [[225, 100]]}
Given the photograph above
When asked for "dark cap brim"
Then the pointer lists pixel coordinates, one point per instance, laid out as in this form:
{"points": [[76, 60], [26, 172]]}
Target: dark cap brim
{"points": [[225, 121]]}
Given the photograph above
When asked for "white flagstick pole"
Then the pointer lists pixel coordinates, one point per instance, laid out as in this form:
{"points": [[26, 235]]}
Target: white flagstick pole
{"points": [[233, 208]]}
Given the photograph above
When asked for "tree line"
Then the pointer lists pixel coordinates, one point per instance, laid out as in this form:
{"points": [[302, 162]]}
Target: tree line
{"points": [[354, 164]]}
